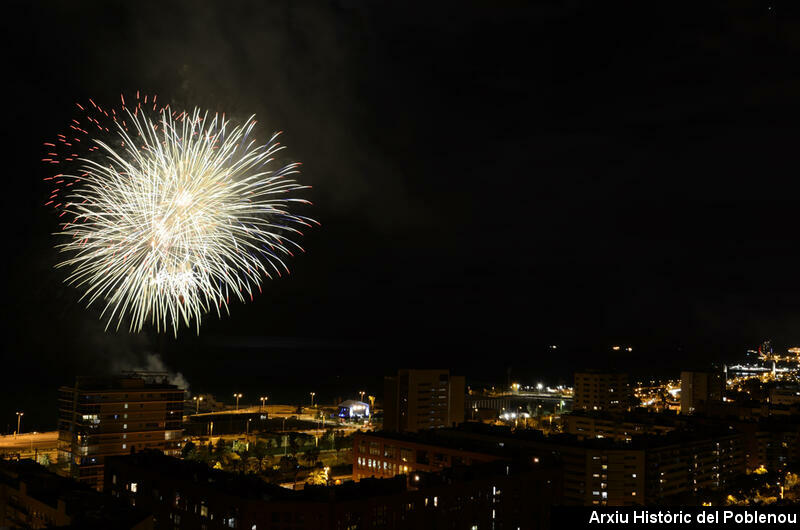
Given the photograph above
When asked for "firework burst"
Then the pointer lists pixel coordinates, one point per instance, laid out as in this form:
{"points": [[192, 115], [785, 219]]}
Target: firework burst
{"points": [[169, 215]]}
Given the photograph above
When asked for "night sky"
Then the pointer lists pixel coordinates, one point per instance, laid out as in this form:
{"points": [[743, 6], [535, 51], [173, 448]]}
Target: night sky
{"points": [[489, 182]]}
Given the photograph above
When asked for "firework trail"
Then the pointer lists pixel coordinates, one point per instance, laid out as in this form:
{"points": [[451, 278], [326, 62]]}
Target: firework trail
{"points": [[167, 215]]}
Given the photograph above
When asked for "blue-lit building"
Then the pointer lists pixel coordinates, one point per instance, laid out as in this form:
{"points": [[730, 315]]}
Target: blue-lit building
{"points": [[352, 409]]}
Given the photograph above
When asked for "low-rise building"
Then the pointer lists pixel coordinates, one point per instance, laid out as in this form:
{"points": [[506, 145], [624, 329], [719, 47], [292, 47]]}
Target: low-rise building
{"points": [[387, 454], [32, 497], [785, 395], [189, 495], [646, 469], [621, 427]]}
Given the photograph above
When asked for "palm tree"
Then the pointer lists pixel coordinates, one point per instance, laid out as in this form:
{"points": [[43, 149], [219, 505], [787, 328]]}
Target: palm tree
{"points": [[311, 456]]}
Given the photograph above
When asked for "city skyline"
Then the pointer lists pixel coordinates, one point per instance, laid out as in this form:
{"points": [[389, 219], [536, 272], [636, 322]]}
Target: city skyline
{"points": [[568, 227]]}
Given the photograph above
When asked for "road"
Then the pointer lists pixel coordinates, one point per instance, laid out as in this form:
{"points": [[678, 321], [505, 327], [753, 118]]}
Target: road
{"points": [[40, 440], [31, 445]]}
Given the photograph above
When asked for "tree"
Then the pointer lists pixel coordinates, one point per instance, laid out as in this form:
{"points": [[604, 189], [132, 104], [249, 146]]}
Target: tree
{"points": [[311, 456], [221, 449], [203, 454], [232, 462], [264, 463], [318, 477], [189, 451], [260, 449], [330, 435], [294, 447], [239, 447], [287, 464]]}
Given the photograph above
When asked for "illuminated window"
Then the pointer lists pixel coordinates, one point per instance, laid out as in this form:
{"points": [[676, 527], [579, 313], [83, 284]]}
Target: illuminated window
{"points": [[134, 487]]}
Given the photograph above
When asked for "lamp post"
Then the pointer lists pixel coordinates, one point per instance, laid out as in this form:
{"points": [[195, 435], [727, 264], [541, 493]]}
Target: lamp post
{"points": [[197, 400], [237, 396], [312, 397], [362, 396], [19, 419], [263, 402]]}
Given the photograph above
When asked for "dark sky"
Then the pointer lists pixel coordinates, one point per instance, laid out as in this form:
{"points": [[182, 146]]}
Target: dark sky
{"points": [[489, 181]]}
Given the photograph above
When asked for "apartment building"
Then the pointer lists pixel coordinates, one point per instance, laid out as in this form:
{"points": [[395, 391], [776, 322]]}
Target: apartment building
{"points": [[102, 417], [605, 391], [423, 399]]}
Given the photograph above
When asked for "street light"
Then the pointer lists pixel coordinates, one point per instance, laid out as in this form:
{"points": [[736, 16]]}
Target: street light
{"points": [[362, 396], [263, 400], [312, 397], [19, 419], [197, 400], [237, 396]]}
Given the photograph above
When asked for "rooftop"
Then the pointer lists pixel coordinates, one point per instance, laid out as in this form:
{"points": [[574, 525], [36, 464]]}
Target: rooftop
{"points": [[243, 486], [128, 381], [85, 506], [479, 437], [251, 487]]}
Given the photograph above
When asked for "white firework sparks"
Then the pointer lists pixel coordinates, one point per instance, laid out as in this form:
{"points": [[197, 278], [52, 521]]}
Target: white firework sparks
{"points": [[178, 215]]}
